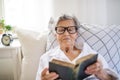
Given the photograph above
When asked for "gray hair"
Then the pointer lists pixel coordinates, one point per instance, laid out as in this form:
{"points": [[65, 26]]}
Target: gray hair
{"points": [[68, 17]]}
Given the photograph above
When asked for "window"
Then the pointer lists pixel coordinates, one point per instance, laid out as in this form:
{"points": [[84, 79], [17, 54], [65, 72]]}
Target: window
{"points": [[30, 14]]}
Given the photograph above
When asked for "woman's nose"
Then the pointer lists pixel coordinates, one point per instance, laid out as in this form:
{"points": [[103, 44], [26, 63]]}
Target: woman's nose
{"points": [[66, 32]]}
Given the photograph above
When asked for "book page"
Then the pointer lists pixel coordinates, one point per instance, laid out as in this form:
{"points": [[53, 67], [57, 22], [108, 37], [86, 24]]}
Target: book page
{"points": [[63, 63], [84, 58]]}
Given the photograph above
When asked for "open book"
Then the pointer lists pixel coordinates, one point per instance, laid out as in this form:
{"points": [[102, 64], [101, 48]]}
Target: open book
{"points": [[68, 71]]}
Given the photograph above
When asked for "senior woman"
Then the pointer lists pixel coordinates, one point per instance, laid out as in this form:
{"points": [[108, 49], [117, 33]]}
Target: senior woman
{"points": [[66, 34]]}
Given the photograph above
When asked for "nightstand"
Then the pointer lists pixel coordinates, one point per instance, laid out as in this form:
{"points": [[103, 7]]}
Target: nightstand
{"points": [[10, 61]]}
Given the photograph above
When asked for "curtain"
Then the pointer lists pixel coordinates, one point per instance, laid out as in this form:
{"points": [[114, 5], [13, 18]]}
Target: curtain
{"points": [[29, 14]]}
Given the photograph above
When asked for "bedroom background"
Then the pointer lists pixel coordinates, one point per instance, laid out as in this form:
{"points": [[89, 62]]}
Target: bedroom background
{"points": [[35, 15]]}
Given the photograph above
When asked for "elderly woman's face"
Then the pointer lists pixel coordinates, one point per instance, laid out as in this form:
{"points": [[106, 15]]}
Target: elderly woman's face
{"points": [[66, 32]]}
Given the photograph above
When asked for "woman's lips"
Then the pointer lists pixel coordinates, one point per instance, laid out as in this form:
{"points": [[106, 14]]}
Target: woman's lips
{"points": [[66, 38]]}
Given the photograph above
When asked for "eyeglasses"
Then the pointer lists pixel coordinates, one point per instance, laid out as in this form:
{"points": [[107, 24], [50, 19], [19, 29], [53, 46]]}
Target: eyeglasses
{"points": [[70, 29]]}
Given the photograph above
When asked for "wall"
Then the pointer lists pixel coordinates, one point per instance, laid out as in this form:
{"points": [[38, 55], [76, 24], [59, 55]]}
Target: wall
{"points": [[92, 11], [113, 12], [100, 12], [65, 6]]}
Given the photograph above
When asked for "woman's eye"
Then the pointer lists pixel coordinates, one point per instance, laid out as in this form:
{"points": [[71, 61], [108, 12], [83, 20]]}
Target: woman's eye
{"points": [[61, 29], [70, 29]]}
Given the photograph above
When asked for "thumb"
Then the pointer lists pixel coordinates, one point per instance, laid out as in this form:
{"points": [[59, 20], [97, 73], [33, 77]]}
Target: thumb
{"points": [[45, 71]]}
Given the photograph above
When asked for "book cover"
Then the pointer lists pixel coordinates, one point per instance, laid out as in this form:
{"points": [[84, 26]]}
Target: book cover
{"points": [[68, 71]]}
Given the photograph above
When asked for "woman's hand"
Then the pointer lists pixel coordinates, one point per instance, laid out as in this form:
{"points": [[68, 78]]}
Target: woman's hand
{"points": [[94, 68], [98, 71], [48, 76]]}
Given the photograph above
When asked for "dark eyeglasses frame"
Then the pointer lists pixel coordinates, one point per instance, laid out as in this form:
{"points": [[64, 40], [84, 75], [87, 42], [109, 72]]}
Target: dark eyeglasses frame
{"points": [[66, 28]]}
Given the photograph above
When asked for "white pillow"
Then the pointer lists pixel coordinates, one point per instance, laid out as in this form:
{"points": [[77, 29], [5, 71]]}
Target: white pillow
{"points": [[33, 46], [105, 40]]}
